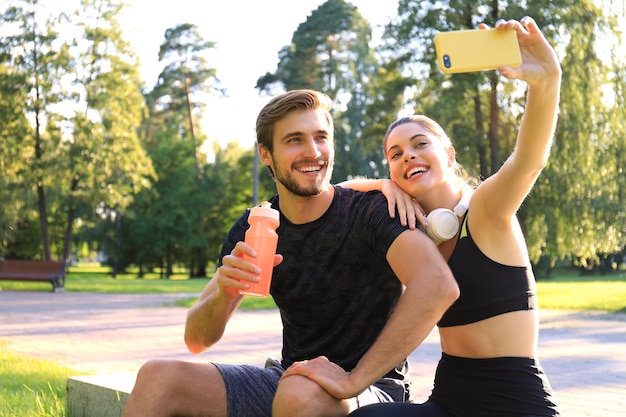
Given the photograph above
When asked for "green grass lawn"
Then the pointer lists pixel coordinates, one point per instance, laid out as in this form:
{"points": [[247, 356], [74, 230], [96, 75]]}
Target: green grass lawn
{"points": [[31, 387], [566, 289], [36, 388], [96, 278]]}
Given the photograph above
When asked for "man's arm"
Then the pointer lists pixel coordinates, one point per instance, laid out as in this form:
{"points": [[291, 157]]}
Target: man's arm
{"points": [[206, 320], [430, 290]]}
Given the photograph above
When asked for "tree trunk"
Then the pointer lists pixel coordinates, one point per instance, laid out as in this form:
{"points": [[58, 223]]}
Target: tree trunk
{"points": [[43, 220], [192, 128], [494, 124], [168, 262], [118, 245], [480, 132], [41, 195], [71, 213]]}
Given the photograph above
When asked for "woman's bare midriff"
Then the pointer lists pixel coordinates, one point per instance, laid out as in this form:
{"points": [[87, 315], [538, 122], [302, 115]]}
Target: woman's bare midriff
{"points": [[509, 334]]}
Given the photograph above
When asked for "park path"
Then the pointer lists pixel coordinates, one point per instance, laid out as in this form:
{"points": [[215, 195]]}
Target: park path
{"points": [[584, 354]]}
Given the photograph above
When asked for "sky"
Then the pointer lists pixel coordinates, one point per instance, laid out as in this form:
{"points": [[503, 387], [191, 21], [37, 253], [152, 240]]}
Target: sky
{"points": [[248, 36]]}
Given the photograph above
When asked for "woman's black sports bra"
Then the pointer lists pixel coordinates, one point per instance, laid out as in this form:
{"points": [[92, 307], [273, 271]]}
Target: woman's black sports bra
{"points": [[488, 288]]}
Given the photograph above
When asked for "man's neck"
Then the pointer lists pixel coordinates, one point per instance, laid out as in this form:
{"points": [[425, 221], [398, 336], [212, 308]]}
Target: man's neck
{"points": [[300, 210]]}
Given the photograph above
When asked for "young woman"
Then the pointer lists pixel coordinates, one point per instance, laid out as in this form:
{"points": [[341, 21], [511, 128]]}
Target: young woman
{"points": [[489, 363]]}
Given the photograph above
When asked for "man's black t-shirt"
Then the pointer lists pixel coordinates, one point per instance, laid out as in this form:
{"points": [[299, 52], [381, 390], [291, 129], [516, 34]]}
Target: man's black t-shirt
{"points": [[334, 288]]}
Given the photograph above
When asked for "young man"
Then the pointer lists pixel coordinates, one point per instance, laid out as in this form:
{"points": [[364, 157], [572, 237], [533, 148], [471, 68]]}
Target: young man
{"points": [[349, 282]]}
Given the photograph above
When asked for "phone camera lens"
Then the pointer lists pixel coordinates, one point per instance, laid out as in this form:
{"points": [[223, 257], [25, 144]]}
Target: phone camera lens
{"points": [[446, 61]]}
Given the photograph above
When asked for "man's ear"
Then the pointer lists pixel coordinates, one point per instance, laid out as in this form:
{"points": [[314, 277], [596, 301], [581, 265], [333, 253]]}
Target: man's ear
{"points": [[264, 155]]}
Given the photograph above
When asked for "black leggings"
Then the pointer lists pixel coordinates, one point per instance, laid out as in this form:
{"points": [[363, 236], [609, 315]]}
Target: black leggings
{"points": [[400, 410], [512, 387]]}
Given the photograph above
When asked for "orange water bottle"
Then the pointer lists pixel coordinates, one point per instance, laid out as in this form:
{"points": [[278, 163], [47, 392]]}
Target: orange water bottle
{"points": [[261, 235]]}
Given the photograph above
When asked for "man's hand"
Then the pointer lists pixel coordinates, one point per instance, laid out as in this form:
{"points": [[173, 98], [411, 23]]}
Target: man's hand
{"points": [[207, 318], [235, 272], [327, 374]]}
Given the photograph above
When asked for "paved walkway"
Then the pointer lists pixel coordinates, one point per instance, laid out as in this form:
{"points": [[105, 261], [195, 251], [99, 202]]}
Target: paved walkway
{"points": [[584, 354]]}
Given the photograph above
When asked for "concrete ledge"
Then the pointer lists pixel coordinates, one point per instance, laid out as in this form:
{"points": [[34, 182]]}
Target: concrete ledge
{"points": [[99, 395]]}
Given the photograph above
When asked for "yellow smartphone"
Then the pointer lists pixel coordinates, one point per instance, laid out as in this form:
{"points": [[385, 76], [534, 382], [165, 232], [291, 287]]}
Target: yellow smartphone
{"points": [[476, 50]]}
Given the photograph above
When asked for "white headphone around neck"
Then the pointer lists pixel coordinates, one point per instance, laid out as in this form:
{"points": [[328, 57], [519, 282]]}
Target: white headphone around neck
{"points": [[443, 223]]}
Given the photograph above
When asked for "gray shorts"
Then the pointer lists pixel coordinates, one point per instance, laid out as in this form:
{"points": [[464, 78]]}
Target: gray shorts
{"points": [[250, 390]]}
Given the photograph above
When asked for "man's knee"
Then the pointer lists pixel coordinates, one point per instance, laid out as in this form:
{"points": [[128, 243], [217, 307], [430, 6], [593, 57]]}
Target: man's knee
{"points": [[152, 372], [173, 387], [147, 397], [299, 396], [150, 379]]}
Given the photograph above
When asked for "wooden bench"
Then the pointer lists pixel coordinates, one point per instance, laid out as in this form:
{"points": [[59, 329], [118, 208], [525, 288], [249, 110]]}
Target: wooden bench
{"points": [[22, 270]]}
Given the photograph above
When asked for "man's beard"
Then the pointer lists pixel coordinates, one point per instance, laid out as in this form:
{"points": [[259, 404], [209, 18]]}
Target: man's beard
{"points": [[295, 188]]}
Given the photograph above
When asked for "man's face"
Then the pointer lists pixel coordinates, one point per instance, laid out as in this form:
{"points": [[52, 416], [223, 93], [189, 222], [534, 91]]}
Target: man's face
{"points": [[303, 155]]}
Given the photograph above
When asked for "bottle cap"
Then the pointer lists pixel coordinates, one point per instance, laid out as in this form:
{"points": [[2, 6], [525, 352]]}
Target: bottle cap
{"points": [[265, 210], [443, 224]]}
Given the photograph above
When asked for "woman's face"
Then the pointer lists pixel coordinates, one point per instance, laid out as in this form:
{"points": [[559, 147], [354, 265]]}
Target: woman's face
{"points": [[417, 159]]}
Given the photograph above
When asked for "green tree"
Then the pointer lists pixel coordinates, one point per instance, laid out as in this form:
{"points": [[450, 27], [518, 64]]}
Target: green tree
{"points": [[104, 161], [481, 112], [13, 191], [159, 224], [36, 60], [232, 174], [468, 105], [579, 202], [615, 210], [173, 213], [186, 73], [80, 153]]}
